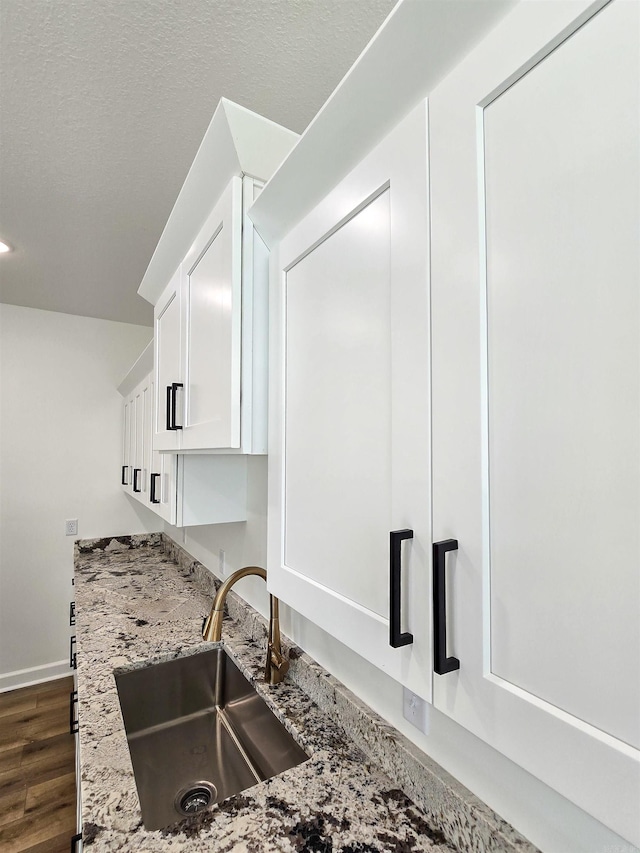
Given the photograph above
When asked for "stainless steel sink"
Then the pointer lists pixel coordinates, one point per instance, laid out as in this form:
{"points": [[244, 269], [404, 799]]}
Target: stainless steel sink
{"points": [[198, 732]]}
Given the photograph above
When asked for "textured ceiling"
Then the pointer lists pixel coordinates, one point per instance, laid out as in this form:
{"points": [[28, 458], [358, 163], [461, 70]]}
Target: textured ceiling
{"points": [[103, 104]]}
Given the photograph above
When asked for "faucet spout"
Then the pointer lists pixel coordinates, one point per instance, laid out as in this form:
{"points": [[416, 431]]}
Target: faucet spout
{"points": [[277, 665]]}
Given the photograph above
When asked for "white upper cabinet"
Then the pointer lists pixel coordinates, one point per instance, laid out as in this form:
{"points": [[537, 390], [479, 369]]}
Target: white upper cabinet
{"points": [[183, 490], [346, 219], [536, 396], [198, 342], [137, 392], [350, 447], [208, 281], [455, 382]]}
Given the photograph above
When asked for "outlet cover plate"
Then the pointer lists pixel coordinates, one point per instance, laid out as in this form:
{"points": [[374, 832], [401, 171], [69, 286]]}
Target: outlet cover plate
{"points": [[71, 527], [415, 710]]}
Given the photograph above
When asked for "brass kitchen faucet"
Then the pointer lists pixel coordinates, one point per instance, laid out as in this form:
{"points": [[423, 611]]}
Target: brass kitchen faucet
{"points": [[277, 665]]}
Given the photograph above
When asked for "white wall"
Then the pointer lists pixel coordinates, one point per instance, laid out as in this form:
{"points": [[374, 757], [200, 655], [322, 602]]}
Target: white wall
{"points": [[539, 813], [60, 449]]}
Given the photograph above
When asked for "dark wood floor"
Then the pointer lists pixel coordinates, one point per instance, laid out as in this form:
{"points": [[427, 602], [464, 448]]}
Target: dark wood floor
{"points": [[37, 769]]}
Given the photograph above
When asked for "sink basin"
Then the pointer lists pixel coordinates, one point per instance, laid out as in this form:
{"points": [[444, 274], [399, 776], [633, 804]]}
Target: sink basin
{"points": [[198, 732]]}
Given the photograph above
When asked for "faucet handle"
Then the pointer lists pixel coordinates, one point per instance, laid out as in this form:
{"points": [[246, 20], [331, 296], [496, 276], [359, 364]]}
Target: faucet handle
{"points": [[277, 665]]}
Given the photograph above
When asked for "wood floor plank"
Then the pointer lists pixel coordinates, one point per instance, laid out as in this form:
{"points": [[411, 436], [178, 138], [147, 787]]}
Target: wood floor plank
{"points": [[43, 771], [32, 690], [61, 844], [35, 690], [36, 724], [48, 748], [51, 793], [16, 702], [55, 684], [48, 766], [24, 834], [12, 780], [50, 811], [10, 758], [12, 806], [37, 770], [54, 698], [10, 737]]}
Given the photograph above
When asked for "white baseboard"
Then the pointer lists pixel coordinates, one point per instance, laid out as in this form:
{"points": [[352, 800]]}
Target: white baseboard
{"points": [[34, 675]]}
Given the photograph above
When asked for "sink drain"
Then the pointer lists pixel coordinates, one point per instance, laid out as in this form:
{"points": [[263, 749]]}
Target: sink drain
{"points": [[195, 798]]}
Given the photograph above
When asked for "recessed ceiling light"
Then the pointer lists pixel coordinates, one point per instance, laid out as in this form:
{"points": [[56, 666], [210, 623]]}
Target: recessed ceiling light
{"points": [[4, 247]]}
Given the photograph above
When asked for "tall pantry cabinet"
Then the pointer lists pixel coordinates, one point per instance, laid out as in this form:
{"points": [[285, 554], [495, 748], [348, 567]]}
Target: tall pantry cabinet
{"points": [[454, 463]]}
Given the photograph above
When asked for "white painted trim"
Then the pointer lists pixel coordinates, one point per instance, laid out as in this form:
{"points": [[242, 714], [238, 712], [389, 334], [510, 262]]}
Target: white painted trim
{"points": [[236, 142], [139, 371], [416, 47], [34, 675]]}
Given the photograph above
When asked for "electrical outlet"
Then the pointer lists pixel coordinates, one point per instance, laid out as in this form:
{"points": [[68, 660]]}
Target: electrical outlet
{"points": [[71, 527], [415, 710], [221, 564]]}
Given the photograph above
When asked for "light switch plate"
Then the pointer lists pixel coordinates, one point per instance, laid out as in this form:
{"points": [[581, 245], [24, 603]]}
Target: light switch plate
{"points": [[415, 710]]}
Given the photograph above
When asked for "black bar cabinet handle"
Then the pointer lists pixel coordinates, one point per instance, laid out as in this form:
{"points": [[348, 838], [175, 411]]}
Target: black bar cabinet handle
{"points": [[152, 497], [72, 613], [136, 471], [73, 661], [174, 391], [123, 479], [74, 842], [396, 637], [169, 397], [441, 663], [73, 723]]}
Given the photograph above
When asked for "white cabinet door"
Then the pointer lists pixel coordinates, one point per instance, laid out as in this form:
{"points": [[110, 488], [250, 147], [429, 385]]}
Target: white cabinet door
{"points": [[212, 292], [211, 336], [536, 396], [147, 406], [141, 435], [350, 435], [169, 396], [162, 476], [125, 474], [135, 405], [162, 485], [148, 436]]}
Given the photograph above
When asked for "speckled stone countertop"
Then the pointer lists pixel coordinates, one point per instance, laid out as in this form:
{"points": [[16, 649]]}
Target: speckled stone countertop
{"points": [[141, 599]]}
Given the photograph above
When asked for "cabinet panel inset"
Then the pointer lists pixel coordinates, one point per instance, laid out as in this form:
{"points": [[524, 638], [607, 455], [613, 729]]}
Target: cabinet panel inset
{"points": [[338, 410], [167, 345], [210, 305], [563, 377], [212, 299]]}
